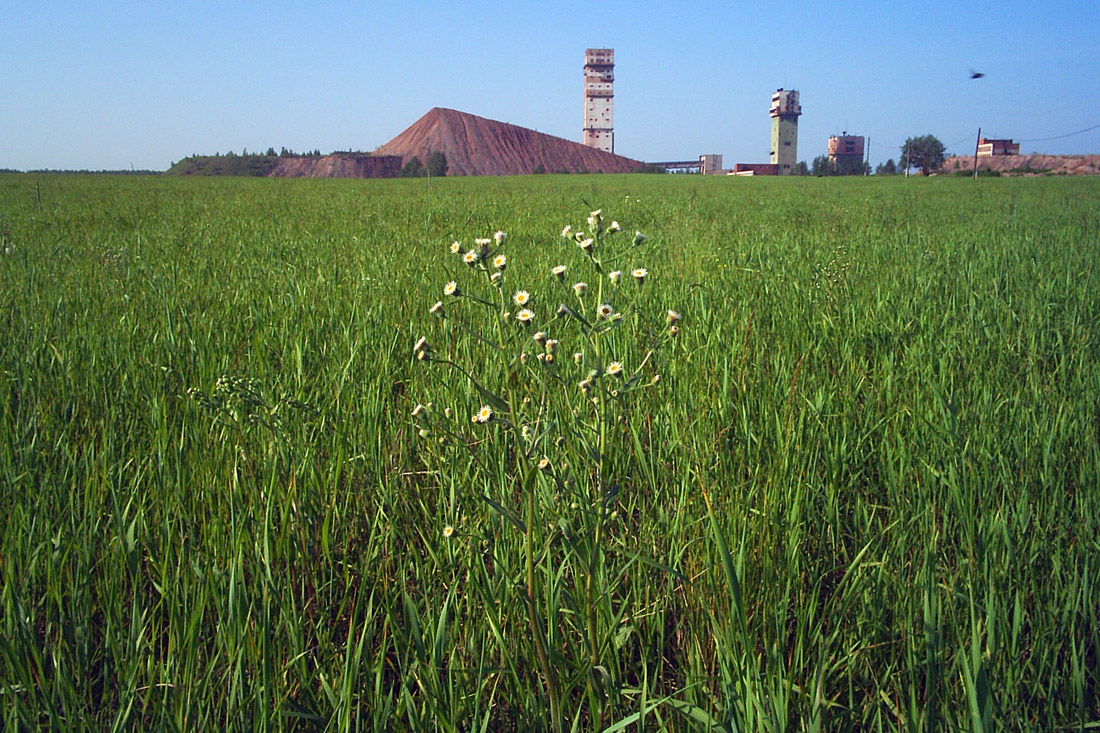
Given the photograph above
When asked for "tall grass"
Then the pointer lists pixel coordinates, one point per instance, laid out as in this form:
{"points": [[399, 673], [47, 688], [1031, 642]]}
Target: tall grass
{"points": [[864, 493]]}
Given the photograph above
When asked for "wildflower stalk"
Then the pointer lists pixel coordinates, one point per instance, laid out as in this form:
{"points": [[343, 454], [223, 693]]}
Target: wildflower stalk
{"points": [[532, 604], [524, 408]]}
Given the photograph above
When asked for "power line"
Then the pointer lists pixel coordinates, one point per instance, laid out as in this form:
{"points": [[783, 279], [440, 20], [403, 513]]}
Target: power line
{"points": [[1057, 137]]}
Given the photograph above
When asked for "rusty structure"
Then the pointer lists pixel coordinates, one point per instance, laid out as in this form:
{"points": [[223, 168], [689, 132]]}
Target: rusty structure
{"points": [[599, 95], [785, 111]]}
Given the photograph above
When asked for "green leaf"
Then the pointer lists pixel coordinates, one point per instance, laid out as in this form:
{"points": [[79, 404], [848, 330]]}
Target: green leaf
{"points": [[506, 513]]}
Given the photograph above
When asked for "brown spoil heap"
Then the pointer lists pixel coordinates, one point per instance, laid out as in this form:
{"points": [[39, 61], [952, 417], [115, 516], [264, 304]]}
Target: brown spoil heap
{"points": [[1032, 164], [475, 146], [338, 165]]}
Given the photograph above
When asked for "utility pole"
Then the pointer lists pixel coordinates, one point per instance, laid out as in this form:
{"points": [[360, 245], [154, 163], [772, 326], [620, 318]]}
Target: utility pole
{"points": [[977, 143]]}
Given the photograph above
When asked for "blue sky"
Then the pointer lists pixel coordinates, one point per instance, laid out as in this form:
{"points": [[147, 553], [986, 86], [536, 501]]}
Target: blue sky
{"points": [[114, 84]]}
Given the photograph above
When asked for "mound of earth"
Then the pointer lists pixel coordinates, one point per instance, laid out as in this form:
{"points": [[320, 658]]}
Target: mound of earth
{"points": [[338, 165], [1027, 164], [476, 146]]}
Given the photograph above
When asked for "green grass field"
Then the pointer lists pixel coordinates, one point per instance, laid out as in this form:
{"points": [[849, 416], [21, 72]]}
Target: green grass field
{"points": [[863, 494]]}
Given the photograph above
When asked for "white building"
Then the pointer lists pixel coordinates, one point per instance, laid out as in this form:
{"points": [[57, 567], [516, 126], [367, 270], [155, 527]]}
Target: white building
{"points": [[599, 82]]}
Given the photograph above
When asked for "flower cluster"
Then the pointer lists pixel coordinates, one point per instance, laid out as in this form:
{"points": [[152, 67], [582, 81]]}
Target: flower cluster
{"points": [[543, 404]]}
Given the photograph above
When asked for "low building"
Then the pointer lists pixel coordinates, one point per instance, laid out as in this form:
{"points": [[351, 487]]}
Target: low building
{"points": [[987, 147], [755, 169]]}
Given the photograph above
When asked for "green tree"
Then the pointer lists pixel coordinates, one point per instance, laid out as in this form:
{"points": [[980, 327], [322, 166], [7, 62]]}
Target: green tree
{"points": [[412, 168], [846, 166], [436, 167], [888, 168], [925, 152], [822, 166]]}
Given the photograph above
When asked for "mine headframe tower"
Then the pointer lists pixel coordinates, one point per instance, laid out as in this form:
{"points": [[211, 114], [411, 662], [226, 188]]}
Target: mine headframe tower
{"points": [[785, 111], [599, 95]]}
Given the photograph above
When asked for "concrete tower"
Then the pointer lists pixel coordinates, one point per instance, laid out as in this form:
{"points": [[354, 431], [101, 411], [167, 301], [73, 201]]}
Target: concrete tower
{"points": [[599, 81], [785, 112]]}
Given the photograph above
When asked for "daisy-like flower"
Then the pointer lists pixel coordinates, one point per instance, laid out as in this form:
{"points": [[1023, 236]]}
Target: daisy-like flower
{"points": [[558, 271], [562, 311], [499, 237], [521, 298], [456, 248], [423, 432], [437, 309], [594, 219], [525, 317], [586, 244], [580, 288], [495, 278], [639, 275], [567, 232], [484, 415], [615, 276], [578, 358], [500, 262], [448, 531], [673, 317], [614, 228], [614, 369], [551, 345], [674, 331], [451, 288], [470, 258], [539, 337], [544, 464], [585, 384], [485, 242], [639, 238], [419, 410], [605, 310], [422, 345]]}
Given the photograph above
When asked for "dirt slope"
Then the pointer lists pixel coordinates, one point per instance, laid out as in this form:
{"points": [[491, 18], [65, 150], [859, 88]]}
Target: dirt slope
{"points": [[476, 146], [338, 165], [1028, 164]]}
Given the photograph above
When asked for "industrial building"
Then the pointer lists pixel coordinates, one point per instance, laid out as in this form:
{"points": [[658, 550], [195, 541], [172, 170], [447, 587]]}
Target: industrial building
{"points": [[599, 95], [785, 111], [988, 147], [754, 169], [846, 148]]}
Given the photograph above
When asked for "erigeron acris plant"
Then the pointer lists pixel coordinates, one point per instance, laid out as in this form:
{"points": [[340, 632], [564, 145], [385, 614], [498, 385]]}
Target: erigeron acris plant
{"points": [[574, 354]]}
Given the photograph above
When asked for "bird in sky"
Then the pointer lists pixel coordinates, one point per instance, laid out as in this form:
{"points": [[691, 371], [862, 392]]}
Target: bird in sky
{"points": [[976, 74]]}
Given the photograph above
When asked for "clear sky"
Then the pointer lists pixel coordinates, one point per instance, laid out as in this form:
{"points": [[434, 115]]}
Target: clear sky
{"points": [[118, 84]]}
